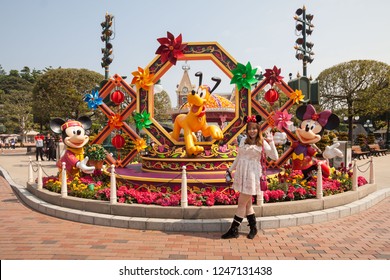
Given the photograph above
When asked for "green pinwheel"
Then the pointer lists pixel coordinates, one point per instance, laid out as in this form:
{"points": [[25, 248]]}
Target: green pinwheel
{"points": [[142, 120], [244, 76]]}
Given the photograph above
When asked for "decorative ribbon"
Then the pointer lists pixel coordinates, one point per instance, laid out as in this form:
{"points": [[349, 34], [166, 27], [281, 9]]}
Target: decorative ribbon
{"points": [[321, 118], [295, 156], [251, 119]]}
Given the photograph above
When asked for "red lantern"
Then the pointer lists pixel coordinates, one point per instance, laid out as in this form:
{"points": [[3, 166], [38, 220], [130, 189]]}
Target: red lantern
{"points": [[271, 96], [117, 97], [118, 141]]}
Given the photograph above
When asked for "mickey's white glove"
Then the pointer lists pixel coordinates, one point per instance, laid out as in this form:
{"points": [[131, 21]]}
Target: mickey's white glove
{"points": [[332, 151], [82, 165]]}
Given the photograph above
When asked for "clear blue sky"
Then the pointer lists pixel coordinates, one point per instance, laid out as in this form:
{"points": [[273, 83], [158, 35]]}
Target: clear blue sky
{"points": [[42, 33]]}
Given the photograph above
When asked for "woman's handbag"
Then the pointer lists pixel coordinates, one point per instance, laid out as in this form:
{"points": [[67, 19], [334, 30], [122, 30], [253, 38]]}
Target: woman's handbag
{"points": [[263, 177]]}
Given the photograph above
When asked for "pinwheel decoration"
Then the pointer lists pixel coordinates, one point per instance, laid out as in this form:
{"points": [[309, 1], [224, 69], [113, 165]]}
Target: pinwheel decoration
{"points": [[140, 144], [142, 78], [272, 76], [115, 121], [142, 120], [93, 100], [171, 48], [282, 119], [297, 96], [244, 76]]}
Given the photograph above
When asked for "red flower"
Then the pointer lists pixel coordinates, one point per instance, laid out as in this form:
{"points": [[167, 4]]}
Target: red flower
{"points": [[171, 49]]}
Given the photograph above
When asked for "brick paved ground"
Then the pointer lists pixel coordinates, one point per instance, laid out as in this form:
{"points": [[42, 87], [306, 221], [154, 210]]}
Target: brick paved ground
{"points": [[26, 234]]}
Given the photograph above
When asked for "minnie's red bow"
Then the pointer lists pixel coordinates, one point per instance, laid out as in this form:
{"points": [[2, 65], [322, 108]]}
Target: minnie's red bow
{"points": [[251, 119]]}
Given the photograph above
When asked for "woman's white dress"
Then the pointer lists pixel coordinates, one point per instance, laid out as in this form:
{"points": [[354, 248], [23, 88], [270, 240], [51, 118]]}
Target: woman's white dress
{"points": [[248, 167]]}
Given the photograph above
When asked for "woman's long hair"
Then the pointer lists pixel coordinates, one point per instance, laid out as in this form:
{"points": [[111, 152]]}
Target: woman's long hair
{"points": [[259, 138]]}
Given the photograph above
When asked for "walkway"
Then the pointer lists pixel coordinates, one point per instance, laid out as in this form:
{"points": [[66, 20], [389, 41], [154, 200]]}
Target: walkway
{"points": [[26, 234]]}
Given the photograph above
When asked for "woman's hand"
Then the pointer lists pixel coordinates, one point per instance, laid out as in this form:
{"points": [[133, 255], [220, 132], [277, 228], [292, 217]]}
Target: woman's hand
{"points": [[269, 137]]}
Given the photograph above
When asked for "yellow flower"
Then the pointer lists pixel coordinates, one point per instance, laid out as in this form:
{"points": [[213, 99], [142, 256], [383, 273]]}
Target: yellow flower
{"points": [[142, 78], [297, 96], [140, 144]]}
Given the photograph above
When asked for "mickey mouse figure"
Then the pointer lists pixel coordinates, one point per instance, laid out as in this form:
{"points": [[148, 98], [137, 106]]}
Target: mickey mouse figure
{"points": [[74, 138], [309, 133]]}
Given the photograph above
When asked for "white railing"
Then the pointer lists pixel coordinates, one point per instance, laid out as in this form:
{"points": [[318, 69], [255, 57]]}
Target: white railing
{"points": [[184, 197]]}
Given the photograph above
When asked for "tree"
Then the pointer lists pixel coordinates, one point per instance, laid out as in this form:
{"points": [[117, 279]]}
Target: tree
{"points": [[2, 71], [354, 86], [162, 106], [26, 74], [16, 101], [60, 92]]}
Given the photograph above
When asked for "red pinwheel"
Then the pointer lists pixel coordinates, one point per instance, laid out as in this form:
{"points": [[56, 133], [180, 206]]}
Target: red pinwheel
{"points": [[271, 96], [171, 49], [272, 76], [117, 97]]}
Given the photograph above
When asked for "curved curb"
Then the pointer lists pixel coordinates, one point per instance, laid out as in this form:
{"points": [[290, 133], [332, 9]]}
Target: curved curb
{"points": [[192, 225]]}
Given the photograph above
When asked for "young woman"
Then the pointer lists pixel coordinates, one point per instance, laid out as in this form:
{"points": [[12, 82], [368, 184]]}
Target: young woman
{"points": [[248, 171]]}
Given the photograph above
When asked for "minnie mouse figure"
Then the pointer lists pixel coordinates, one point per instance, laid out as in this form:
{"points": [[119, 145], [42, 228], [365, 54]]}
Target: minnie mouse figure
{"points": [[309, 133], [74, 138]]}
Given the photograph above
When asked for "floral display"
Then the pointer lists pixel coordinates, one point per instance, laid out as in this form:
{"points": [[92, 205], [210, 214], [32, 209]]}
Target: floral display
{"points": [[288, 185], [95, 152], [93, 100], [244, 76], [171, 48]]}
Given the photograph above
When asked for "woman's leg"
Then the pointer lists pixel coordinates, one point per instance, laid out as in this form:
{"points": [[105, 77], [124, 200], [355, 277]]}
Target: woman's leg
{"points": [[243, 201], [240, 214], [250, 215], [249, 207]]}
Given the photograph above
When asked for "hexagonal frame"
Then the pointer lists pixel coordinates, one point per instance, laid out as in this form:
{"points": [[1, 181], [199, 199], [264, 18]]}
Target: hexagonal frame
{"points": [[195, 51]]}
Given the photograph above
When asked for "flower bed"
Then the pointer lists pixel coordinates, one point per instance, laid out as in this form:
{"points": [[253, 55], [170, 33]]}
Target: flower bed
{"points": [[287, 185]]}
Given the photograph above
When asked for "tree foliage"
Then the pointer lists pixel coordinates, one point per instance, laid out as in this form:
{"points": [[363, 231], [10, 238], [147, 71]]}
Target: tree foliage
{"points": [[60, 92], [357, 87], [162, 106], [16, 102]]}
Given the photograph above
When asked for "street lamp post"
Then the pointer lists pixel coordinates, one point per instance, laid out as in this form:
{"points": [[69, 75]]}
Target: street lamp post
{"points": [[368, 126], [303, 48], [350, 120], [106, 38]]}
